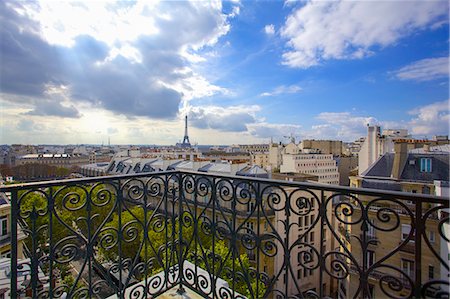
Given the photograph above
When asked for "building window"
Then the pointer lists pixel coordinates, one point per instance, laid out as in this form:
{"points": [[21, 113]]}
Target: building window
{"points": [[311, 237], [406, 228], [425, 165], [370, 258], [4, 225], [430, 272], [6, 254], [408, 267], [300, 222], [371, 228], [432, 237], [299, 273]]}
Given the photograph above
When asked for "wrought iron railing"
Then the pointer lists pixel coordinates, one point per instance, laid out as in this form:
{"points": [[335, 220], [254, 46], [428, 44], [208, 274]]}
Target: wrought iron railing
{"points": [[138, 236]]}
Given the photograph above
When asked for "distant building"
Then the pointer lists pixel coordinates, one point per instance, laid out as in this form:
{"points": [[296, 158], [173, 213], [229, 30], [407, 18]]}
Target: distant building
{"points": [[60, 160], [346, 166], [328, 147], [254, 148], [377, 144], [323, 166], [260, 159]]}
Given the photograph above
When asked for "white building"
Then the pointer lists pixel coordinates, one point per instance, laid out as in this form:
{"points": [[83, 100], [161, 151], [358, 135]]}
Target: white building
{"points": [[322, 166], [377, 144]]}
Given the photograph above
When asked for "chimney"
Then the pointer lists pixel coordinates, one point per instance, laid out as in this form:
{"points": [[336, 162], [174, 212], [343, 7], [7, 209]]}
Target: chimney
{"points": [[400, 156]]}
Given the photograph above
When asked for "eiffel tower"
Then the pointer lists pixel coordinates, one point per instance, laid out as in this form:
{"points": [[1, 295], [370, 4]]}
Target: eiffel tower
{"points": [[185, 142]]}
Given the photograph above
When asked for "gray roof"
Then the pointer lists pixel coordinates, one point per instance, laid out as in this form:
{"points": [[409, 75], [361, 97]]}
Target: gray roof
{"points": [[439, 168], [382, 168], [253, 171], [381, 184]]}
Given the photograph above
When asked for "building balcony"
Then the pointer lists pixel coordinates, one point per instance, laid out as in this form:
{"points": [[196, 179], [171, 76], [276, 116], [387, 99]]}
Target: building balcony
{"points": [[206, 236]]}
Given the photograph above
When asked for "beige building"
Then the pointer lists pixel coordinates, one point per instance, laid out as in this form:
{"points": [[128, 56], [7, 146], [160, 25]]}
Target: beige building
{"points": [[304, 242], [331, 147], [260, 159], [60, 160], [406, 171], [5, 230], [254, 148]]}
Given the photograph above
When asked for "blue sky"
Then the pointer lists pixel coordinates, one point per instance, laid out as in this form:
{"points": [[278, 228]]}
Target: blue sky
{"points": [[243, 72]]}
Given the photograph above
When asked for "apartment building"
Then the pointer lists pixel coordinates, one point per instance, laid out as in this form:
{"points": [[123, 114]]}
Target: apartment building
{"points": [[61, 160], [330, 147], [254, 148], [5, 230], [260, 159], [323, 166], [376, 144], [391, 222]]}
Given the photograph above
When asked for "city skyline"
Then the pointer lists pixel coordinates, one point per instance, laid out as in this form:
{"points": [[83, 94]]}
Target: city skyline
{"points": [[243, 72]]}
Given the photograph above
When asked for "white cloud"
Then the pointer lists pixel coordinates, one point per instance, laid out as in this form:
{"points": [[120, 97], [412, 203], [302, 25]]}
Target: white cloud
{"points": [[231, 118], [277, 131], [432, 119], [341, 126], [283, 89], [322, 30], [424, 70], [269, 29], [134, 58]]}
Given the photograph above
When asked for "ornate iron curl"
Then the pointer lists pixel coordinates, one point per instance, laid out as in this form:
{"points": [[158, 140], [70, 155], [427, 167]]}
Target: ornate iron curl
{"points": [[347, 209], [100, 195], [225, 190], [338, 265], [384, 214], [302, 205], [394, 283], [275, 197]]}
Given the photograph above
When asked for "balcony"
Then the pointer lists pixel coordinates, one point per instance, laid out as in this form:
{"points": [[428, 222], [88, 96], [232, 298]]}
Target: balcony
{"points": [[155, 234]]}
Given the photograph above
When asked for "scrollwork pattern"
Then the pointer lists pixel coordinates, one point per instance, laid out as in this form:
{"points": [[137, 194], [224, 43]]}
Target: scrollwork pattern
{"points": [[225, 237]]}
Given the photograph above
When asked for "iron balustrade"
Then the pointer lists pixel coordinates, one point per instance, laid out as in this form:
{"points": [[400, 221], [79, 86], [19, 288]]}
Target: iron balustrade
{"points": [[137, 236]]}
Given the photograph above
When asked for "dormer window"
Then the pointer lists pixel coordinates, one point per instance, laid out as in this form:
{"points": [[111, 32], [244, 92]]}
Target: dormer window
{"points": [[425, 165]]}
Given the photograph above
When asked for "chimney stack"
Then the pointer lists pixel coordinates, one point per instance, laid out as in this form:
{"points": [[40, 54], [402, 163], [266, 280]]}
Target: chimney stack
{"points": [[400, 156]]}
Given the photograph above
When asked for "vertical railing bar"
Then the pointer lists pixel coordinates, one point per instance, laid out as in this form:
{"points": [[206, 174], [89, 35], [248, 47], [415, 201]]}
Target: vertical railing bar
{"points": [[89, 239], [233, 245], [418, 249], [145, 237], [196, 233], [258, 237], [365, 276], [166, 232], [14, 215], [50, 228], [34, 264], [287, 254], [213, 222], [180, 234], [322, 209], [119, 234]]}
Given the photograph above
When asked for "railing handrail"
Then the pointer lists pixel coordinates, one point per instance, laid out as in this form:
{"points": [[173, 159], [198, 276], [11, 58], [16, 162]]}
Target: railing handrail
{"points": [[306, 185]]}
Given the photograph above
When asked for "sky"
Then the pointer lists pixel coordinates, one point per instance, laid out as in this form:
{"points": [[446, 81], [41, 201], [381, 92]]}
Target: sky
{"points": [[242, 71]]}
